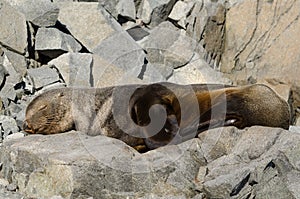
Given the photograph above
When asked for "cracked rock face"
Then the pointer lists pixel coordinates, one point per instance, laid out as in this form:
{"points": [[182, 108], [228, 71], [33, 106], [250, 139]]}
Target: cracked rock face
{"points": [[221, 163], [47, 44]]}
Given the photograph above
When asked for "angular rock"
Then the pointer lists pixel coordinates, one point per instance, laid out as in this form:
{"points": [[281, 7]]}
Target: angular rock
{"points": [[117, 8], [3, 73], [52, 42], [137, 33], [42, 13], [255, 162], [70, 165], [75, 68], [121, 50], [13, 34], [266, 46], [153, 13], [180, 12], [198, 71], [106, 74], [42, 76], [8, 125], [206, 24], [15, 64], [96, 27]]}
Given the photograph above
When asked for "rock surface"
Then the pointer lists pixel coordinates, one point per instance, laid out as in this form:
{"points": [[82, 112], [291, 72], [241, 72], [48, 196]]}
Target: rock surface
{"points": [[46, 44], [220, 163]]}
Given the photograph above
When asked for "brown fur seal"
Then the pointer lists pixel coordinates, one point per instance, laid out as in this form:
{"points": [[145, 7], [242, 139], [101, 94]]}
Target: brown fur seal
{"points": [[187, 111]]}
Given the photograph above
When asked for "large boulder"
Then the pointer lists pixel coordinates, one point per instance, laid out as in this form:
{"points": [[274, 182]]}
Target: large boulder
{"points": [[264, 42], [221, 163]]}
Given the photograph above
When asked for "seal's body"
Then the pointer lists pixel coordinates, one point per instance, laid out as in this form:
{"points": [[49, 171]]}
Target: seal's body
{"points": [[126, 112]]}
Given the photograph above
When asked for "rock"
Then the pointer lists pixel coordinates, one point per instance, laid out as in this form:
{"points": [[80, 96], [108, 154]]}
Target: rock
{"points": [[14, 136], [137, 33], [3, 73], [15, 65], [153, 13], [198, 72], [42, 13], [159, 41], [121, 50], [3, 182], [92, 35], [42, 76], [70, 164], [206, 25], [9, 125], [117, 8], [75, 68], [259, 44], [52, 42], [180, 12], [252, 162], [106, 74], [13, 34]]}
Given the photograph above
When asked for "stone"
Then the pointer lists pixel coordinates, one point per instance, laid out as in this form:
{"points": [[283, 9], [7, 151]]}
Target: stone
{"points": [[42, 13], [42, 76], [206, 25], [121, 50], [3, 73], [106, 74], [137, 33], [52, 42], [198, 72], [180, 12], [159, 41], [153, 13], [92, 35], [254, 162], [117, 8], [9, 125], [15, 64], [14, 136], [13, 34], [265, 39], [70, 165], [75, 68]]}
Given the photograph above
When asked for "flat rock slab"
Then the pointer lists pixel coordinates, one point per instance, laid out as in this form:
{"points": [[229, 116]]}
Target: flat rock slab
{"points": [[222, 163]]}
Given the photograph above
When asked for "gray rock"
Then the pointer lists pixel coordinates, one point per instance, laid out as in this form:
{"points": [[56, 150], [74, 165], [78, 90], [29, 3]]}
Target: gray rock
{"points": [[9, 125], [155, 12], [13, 34], [75, 68], [121, 50], [122, 171], [3, 73], [180, 12], [52, 42], [96, 27], [15, 65], [124, 8], [159, 41], [137, 33], [42, 76], [198, 71], [42, 13], [14, 136]]}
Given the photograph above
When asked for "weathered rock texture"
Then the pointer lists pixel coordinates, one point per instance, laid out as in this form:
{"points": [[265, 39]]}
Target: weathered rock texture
{"points": [[221, 163], [45, 44]]}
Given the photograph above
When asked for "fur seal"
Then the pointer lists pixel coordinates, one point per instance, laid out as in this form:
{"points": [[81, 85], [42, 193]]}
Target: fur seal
{"points": [[91, 110]]}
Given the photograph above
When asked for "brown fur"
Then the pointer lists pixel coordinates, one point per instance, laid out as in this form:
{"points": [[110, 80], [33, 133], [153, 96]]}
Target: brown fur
{"points": [[90, 110]]}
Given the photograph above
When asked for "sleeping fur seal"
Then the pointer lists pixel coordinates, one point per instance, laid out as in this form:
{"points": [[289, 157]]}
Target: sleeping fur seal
{"points": [[188, 111]]}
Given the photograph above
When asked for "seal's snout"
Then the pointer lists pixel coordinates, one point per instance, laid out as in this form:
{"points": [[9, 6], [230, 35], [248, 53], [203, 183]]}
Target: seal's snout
{"points": [[26, 127]]}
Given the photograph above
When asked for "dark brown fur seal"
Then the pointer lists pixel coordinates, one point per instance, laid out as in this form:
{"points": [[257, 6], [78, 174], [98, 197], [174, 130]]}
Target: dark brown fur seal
{"points": [[189, 110]]}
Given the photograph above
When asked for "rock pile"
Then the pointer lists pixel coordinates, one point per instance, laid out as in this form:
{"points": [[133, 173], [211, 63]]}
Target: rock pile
{"points": [[47, 44]]}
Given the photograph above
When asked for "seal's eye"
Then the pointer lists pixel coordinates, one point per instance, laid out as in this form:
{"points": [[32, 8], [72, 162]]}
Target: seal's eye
{"points": [[42, 107]]}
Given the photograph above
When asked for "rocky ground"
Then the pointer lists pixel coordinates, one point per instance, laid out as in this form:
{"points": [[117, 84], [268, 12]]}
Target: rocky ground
{"points": [[46, 44]]}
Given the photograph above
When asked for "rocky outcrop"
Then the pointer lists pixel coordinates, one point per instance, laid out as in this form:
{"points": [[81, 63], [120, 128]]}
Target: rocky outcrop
{"points": [[46, 44], [221, 163]]}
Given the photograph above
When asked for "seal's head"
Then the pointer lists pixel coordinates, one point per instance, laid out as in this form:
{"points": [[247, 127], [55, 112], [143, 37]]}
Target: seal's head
{"points": [[49, 113]]}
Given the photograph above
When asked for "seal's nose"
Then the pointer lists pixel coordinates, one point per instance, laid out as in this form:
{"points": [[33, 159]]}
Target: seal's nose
{"points": [[26, 128]]}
